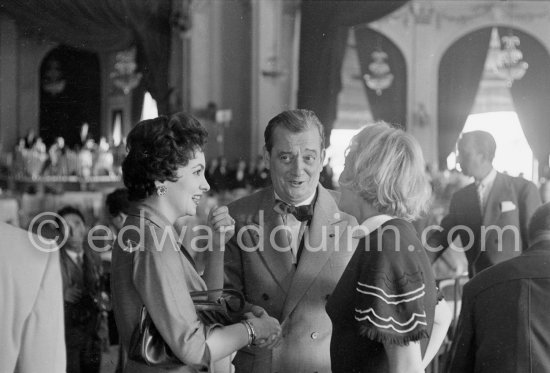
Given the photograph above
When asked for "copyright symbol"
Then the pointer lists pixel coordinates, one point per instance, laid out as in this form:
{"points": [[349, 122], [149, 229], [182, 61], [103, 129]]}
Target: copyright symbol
{"points": [[37, 225]]}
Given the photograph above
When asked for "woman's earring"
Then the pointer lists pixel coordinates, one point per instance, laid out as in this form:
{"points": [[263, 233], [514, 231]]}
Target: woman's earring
{"points": [[161, 190]]}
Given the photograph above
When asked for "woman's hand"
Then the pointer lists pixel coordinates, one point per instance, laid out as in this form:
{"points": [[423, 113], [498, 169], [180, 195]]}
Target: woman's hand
{"points": [[267, 328], [222, 225]]}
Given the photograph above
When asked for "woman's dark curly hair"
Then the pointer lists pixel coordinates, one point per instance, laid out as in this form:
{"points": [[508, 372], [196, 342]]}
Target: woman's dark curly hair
{"points": [[156, 149]]}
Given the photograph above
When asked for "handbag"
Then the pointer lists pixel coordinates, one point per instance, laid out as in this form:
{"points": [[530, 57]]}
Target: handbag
{"points": [[227, 309], [147, 345]]}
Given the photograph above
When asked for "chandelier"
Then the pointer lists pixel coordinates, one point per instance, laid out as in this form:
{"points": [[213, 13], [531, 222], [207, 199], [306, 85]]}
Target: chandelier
{"points": [[53, 81], [509, 64], [380, 76], [124, 75]]}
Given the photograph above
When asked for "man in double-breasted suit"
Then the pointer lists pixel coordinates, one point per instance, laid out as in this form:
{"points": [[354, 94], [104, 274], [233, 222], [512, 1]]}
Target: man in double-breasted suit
{"points": [[31, 304], [490, 215], [504, 323], [290, 248]]}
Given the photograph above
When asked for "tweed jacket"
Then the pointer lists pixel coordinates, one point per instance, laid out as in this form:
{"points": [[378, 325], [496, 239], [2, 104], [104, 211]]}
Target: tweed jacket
{"points": [[295, 295]]}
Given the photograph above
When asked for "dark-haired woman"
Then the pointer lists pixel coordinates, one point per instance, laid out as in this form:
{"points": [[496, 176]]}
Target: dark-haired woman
{"points": [[164, 174]]}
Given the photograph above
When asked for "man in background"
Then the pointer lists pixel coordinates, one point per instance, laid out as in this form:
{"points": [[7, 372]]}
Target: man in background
{"points": [[504, 323], [85, 300], [31, 304], [491, 214], [117, 206]]}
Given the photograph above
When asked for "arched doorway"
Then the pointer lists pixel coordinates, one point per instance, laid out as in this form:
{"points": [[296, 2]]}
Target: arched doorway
{"points": [[464, 76], [70, 95], [374, 87]]}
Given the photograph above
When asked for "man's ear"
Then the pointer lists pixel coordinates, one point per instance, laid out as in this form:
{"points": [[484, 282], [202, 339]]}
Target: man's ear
{"points": [[267, 158], [323, 155], [119, 219]]}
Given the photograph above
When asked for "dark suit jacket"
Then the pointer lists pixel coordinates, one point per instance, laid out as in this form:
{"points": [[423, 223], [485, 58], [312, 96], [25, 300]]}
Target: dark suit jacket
{"points": [[82, 317], [504, 324], [296, 296], [497, 235]]}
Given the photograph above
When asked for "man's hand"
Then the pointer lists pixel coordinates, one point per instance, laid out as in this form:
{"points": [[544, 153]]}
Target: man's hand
{"points": [[271, 341], [223, 226], [73, 294], [258, 311]]}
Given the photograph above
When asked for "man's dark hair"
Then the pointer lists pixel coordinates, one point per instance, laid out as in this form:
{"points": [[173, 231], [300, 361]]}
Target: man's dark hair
{"points": [[540, 222], [117, 202], [64, 211], [298, 120]]}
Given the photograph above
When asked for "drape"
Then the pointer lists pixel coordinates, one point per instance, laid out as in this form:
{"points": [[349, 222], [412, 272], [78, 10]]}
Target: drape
{"points": [[391, 104], [323, 38], [531, 95], [460, 72], [105, 26]]}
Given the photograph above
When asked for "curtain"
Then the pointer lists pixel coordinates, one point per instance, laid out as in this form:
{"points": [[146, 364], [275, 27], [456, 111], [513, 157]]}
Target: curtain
{"points": [[391, 104], [138, 98], [530, 95], [460, 72], [105, 26], [323, 38]]}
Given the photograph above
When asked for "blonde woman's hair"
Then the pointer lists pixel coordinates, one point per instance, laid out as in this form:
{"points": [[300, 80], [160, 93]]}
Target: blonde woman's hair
{"points": [[385, 166]]}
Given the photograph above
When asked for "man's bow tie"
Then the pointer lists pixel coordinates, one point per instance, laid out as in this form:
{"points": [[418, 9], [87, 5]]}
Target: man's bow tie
{"points": [[301, 213]]}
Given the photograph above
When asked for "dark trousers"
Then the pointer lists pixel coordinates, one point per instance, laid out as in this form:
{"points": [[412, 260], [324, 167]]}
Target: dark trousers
{"points": [[83, 352]]}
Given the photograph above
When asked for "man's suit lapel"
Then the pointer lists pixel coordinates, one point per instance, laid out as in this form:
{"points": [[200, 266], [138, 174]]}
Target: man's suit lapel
{"points": [[320, 239], [500, 190], [279, 263]]}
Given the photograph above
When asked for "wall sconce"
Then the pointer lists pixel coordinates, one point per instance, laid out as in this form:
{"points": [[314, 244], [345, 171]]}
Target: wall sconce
{"points": [[53, 81], [421, 118], [380, 76], [510, 65], [273, 70], [124, 75]]}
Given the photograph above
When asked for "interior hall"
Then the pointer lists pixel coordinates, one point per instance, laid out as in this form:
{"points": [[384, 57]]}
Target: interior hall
{"points": [[76, 76]]}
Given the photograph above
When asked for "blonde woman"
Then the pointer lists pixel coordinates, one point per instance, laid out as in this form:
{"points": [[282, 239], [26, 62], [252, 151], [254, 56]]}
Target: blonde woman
{"points": [[384, 310]]}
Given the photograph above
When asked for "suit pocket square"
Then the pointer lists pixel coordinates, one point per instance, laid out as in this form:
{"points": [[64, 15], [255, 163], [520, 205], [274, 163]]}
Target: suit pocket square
{"points": [[506, 206]]}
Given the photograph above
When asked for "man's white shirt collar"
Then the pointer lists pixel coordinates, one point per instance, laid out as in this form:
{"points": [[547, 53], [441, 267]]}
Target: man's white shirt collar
{"points": [[74, 256], [307, 201], [489, 179]]}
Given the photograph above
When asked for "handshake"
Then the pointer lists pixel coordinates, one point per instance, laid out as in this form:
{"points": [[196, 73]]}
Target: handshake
{"points": [[267, 330]]}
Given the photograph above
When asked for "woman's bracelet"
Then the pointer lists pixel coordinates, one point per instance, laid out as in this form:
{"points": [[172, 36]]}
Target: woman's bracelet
{"points": [[248, 331], [251, 332]]}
